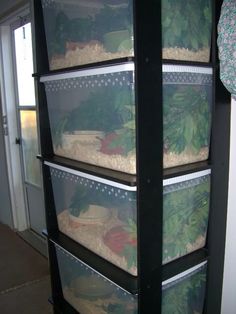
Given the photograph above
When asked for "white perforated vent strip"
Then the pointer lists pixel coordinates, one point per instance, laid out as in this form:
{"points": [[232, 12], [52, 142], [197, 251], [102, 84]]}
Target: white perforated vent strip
{"points": [[91, 177], [186, 69]]}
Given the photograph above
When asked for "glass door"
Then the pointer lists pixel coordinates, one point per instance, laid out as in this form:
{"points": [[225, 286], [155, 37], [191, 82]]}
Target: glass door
{"points": [[27, 122]]}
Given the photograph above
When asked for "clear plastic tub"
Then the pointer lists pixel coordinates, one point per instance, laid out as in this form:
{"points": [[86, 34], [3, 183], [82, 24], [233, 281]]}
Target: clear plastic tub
{"points": [[185, 214], [186, 30], [102, 215], [81, 32], [92, 116], [88, 291], [97, 213], [185, 293], [187, 111]]}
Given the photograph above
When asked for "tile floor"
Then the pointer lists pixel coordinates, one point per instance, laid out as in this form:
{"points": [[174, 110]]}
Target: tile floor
{"points": [[24, 276]]}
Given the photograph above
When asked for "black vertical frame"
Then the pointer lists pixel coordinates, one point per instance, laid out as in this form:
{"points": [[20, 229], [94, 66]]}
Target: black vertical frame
{"points": [[41, 65], [51, 217], [54, 273], [148, 87], [40, 48]]}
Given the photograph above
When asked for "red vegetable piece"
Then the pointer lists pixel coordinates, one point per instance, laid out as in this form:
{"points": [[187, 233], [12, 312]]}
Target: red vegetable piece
{"points": [[117, 238], [106, 141]]}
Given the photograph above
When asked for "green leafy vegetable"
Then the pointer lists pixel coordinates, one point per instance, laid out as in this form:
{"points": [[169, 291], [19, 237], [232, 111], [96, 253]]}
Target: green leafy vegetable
{"points": [[186, 24], [59, 35], [79, 201], [186, 118], [112, 18], [126, 135], [85, 29], [186, 296], [185, 218], [106, 109], [84, 196]]}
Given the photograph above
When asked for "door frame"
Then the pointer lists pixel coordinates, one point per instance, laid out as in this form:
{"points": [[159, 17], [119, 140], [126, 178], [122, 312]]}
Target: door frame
{"points": [[19, 208], [32, 190]]}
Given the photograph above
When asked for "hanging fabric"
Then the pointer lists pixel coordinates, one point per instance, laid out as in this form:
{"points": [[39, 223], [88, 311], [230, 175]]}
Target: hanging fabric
{"points": [[227, 45]]}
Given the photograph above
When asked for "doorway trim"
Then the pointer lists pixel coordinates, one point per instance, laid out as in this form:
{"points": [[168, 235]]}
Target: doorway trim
{"points": [[15, 175], [9, 99]]}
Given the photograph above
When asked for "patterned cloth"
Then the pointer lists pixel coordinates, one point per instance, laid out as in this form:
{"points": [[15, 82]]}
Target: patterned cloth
{"points": [[227, 45]]}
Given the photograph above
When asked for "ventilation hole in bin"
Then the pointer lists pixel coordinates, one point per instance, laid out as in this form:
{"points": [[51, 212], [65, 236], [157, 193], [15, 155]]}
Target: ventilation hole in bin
{"points": [[92, 185], [88, 82], [188, 78], [186, 184]]}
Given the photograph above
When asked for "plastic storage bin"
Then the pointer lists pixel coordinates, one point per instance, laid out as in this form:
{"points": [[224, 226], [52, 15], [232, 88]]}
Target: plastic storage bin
{"points": [[81, 32], [97, 213], [187, 106], [101, 215], [185, 293], [88, 291], [92, 116], [186, 30], [185, 214]]}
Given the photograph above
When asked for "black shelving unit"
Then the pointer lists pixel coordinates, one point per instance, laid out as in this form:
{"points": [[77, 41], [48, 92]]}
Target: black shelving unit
{"points": [[146, 286]]}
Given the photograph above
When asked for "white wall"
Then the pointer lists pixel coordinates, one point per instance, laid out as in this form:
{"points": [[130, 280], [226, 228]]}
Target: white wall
{"points": [[229, 284]]}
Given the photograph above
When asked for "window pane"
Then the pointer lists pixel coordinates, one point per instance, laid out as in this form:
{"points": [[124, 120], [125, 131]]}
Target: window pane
{"points": [[30, 146], [24, 65]]}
